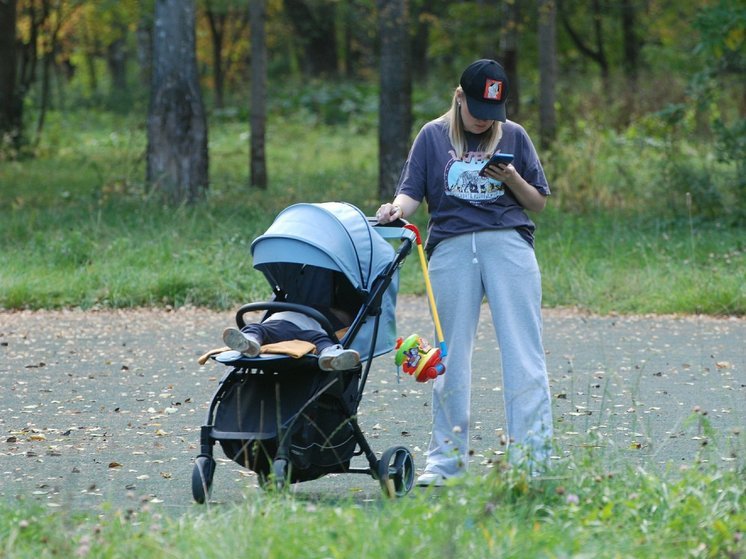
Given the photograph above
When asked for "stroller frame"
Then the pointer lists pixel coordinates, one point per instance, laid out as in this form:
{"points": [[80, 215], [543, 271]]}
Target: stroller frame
{"points": [[278, 450]]}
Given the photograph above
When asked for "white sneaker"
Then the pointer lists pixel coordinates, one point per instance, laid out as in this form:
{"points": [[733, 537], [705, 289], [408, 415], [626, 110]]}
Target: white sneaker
{"points": [[238, 341], [336, 358], [431, 479]]}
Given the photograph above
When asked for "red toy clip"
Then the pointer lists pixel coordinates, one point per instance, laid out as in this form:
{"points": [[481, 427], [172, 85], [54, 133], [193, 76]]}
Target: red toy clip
{"points": [[418, 358]]}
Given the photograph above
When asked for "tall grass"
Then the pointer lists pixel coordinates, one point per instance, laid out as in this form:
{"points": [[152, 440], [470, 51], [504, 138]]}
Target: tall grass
{"points": [[582, 510]]}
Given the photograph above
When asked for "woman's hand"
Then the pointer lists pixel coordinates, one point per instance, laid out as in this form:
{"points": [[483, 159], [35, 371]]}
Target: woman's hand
{"points": [[527, 195], [388, 213], [400, 208], [503, 172]]}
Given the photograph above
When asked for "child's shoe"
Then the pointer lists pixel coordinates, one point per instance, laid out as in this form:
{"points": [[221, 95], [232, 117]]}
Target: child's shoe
{"points": [[238, 341], [336, 358]]}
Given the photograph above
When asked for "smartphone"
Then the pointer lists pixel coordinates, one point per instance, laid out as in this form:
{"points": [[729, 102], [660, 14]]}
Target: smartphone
{"points": [[497, 159]]}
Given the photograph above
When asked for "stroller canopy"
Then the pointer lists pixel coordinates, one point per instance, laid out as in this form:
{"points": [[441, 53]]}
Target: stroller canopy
{"points": [[336, 237], [331, 235]]}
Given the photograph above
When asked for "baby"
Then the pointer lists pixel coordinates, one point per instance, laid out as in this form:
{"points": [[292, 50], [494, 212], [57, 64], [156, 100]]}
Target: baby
{"points": [[290, 325]]}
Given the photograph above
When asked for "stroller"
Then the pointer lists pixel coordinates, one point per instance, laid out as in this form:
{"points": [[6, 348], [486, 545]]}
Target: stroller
{"points": [[281, 416]]}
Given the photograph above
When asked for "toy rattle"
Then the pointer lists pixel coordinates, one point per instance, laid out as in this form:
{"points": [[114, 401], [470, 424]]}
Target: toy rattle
{"points": [[418, 358]]}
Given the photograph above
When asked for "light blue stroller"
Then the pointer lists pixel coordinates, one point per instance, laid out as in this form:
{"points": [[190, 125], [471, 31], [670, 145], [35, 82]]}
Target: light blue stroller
{"points": [[280, 416]]}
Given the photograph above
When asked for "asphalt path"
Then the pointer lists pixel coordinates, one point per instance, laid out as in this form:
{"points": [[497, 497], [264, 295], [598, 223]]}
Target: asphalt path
{"points": [[103, 408]]}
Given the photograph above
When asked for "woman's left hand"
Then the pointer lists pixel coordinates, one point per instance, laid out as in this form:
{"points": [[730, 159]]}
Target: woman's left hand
{"points": [[503, 172], [527, 195]]}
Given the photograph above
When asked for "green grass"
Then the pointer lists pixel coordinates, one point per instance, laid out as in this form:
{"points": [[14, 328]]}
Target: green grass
{"points": [[633, 264], [78, 228], [581, 510]]}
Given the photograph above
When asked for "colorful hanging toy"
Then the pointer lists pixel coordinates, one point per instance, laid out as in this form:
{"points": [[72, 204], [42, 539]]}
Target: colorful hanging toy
{"points": [[414, 354], [418, 358]]}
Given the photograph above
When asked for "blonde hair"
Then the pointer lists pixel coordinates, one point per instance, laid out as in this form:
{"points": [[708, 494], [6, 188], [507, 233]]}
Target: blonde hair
{"points": [[457, 134]]}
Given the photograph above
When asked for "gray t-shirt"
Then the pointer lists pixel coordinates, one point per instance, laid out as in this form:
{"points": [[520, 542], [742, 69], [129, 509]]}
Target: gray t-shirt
{"points": [[458, 199]]}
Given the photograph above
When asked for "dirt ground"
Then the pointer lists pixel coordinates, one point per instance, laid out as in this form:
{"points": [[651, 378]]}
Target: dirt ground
{"points": [[104, 407]]}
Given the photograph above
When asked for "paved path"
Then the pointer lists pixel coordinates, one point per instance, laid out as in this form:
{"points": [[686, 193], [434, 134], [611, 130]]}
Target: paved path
{"points": [[105, 407]]}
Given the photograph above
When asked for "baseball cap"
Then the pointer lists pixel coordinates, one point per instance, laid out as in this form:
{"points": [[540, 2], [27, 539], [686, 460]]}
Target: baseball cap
{"points": [[485, 85]]}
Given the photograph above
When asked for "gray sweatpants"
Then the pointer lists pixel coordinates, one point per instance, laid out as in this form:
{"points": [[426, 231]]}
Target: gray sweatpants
{"points": [[502, 266]]}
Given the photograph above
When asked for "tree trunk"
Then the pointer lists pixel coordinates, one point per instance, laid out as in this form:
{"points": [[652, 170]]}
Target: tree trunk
{"points": [[598, 55], [177, 127], [49, 49], [547, 72], [11, 106], [217, 31], [509, 54], [258, 110], [631, 41], [420, 40], [145, 47], [395, 115], [116, 60]]}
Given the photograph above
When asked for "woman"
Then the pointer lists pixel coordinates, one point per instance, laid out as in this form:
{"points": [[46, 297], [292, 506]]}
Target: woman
{"points": [[480, 243]]}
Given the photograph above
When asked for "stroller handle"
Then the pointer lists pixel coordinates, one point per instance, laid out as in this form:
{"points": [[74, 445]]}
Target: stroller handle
{"points": [[276, 306]]}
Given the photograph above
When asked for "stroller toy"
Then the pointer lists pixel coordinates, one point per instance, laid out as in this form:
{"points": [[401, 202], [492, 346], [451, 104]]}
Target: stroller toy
{"points": [[418, 358]]}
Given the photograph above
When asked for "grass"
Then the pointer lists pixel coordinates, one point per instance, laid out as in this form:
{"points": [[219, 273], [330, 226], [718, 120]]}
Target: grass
{"points": [[582, 510], [79, 229]]}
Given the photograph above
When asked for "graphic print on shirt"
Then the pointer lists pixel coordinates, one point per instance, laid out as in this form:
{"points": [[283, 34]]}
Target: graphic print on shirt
{"points": [[463, 180]]}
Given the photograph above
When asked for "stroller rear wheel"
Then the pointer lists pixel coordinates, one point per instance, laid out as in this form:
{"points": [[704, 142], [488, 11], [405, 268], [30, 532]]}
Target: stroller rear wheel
{"points": [[396, 471], [204, 469]]}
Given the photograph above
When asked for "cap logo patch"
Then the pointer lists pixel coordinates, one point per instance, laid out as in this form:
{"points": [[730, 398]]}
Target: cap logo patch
{"points": [[493, 90]]}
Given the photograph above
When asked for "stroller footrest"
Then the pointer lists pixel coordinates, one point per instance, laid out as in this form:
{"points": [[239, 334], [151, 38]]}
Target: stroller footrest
{"points": [[241, 435]]}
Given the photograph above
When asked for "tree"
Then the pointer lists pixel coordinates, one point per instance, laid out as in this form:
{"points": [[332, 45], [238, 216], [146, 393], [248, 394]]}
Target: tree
{"points": [[227, 21], [395, 113], [631, 42], [547, 72], [177, 165], [509, 52], [597, 54], [258, 116], [11, 105], [313, 26]]}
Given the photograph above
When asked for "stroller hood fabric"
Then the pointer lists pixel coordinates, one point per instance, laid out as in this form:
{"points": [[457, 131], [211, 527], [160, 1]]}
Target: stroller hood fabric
{"points": [[332, 236]]}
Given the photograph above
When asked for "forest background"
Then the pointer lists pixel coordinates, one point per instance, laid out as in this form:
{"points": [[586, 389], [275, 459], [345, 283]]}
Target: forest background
{"points": [[638, 109]]}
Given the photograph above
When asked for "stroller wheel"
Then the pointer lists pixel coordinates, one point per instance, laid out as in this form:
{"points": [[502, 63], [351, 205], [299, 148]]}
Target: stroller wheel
{"points": [[396, 471], [204, 469], [279, 473], [276, 479]]}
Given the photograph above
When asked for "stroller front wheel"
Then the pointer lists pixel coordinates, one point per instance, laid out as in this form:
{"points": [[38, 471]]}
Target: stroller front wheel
{"points": [[204, 469], [396, 471]]}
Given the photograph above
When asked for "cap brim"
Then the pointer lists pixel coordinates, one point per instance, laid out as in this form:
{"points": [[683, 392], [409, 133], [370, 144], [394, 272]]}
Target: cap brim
{"points": [[486, 111]]}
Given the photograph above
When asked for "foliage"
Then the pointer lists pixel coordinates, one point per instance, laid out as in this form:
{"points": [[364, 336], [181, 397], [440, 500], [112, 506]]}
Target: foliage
{"points": [[331, 103], [722, 30]]}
